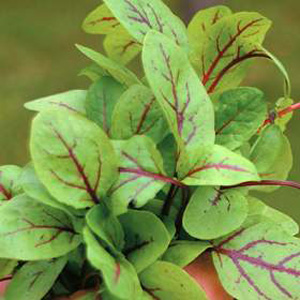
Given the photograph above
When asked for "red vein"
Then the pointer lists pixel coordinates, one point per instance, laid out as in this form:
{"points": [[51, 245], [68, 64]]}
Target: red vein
{"points": [[144, 116], [7, 194]]}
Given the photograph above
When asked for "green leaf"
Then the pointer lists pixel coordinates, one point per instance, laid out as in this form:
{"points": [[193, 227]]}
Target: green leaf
{"points": [[228, 46], [116, 70], [200, 27], [33, 231], [101, 99], [93, 72], [120, 46], [176, 86], [6, 267], [71, 100], [165, 281], [138, 113], [217, 166], [35, 279], [100, 21], [141, 173], [119, 275], [182, 253], [272, 156], [36, 190], [106, 226], [9, 182], [72, 157], [239, 114], [213, 213], [259, 212], [141, 16], [146, 238], [260, 262]]}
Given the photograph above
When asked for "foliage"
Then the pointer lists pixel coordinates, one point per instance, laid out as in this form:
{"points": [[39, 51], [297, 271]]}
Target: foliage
{"points": [[134, 178]]}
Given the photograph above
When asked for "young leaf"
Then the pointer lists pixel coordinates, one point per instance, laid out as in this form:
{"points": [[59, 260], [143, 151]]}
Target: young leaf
{"points": [[146, 238], [227, 47], [138, 113], [178, 90], [182, 253], [213, 213], [72, 157], [6, 267], [93, 72], [118, 274], [259, 212], [272, 156], [239, 114], [100, 21], [200, 27], [35, 279], [72, 100], [36, 190], [120, 46], [141, 173], [260, 262], [32, 231], [217, 166], [9, 182], [106, 226], [141, 16], [165, 281], [116, 70], [101, 99]]}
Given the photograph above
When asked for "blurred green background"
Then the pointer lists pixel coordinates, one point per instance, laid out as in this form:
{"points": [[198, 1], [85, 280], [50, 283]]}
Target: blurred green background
{"points": [[38, 58]]}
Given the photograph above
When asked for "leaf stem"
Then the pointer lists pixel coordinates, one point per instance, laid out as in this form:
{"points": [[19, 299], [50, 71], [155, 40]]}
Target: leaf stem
{"points": [[6, 278], [291, 184], [281, 114], [169, 200]]}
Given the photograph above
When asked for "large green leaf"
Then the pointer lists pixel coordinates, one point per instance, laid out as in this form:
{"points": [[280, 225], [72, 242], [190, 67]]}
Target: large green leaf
{"points": [[272, 156], [239, 114], [100, 21], [34, 279], [72, 100], [200, 26], [121, 46], [178, 90], [165, 281], [9, 182], [227, 47], [216, 166], [141, 16], [138, 113], [101, 99], [213, 213], [146, 238], [119, 275], [259, 212], [31, 231], [182, 253], [72, 157], [260, 262], [116, 70], [106, 226], [141, 173]]}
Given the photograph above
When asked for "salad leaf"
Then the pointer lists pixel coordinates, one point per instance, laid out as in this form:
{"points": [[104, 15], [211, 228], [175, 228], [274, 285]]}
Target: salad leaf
{"points": [[146, 238], [218, 211], [101, 99], [33, 231], [7, 266], [35, 279], [138, 113], [73, 157], [183, 99], [259, 262]]}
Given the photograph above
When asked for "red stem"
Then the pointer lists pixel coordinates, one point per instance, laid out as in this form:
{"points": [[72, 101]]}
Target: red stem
{"points": [[6, 278], [291, 184]]}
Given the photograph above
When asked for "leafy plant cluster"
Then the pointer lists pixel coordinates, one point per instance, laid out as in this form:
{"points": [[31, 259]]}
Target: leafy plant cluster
{"points": [[133, 179]]}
